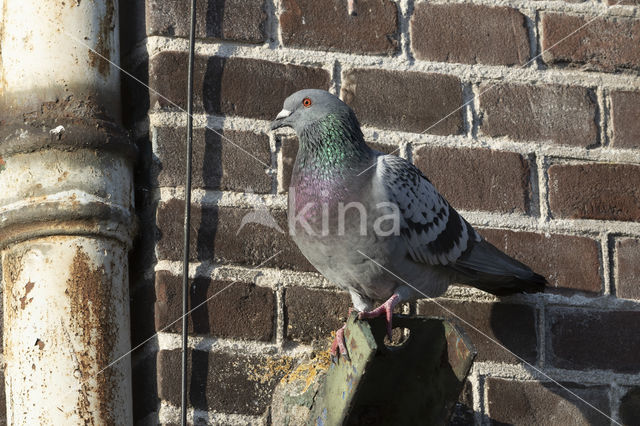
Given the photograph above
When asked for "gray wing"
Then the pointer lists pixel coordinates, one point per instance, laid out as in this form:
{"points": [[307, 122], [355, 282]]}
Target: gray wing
{"points": [[433, 231], [436, 234]]}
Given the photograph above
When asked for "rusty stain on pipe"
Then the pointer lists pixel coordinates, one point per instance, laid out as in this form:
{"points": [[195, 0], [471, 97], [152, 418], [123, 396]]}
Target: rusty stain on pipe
{"points": [[66, 214]]}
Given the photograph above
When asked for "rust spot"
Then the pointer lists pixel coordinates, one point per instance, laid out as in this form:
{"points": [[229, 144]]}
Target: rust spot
{"points": [[27, 289], [90, 290], [99, 58], [63, 176], [39, 344], [2, 164]]}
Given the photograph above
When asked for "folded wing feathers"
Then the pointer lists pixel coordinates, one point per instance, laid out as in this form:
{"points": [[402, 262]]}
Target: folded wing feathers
{"points": [[433, 230]]}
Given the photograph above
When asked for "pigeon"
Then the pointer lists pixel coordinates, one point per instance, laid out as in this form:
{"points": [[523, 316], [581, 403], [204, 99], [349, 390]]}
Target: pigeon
{"points": [[373, 223]]}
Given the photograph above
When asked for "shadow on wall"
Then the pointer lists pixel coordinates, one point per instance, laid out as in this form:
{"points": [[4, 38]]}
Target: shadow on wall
{"points": [[135, 106], [211, 169]]}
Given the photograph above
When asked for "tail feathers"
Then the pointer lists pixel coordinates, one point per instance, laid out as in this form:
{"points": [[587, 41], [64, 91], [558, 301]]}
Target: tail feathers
{"points": [[490, 270]]}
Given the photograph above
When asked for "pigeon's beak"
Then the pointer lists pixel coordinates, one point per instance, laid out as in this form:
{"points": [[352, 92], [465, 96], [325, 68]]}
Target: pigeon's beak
{"points": [[279, 121]]}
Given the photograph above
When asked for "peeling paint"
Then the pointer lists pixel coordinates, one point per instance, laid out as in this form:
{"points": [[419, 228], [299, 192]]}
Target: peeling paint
{"points": [[23, 300]]}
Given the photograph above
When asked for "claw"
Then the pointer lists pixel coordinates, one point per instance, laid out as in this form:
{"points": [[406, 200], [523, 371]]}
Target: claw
{"points": [[387, 309], [338, 344]]}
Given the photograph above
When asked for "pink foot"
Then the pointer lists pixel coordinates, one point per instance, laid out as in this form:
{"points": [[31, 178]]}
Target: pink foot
{"points": [[338, 347], [386, 308]]}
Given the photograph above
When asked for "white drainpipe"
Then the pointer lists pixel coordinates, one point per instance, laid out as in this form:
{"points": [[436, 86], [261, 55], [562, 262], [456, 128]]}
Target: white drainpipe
{"points": [[66, 214]]}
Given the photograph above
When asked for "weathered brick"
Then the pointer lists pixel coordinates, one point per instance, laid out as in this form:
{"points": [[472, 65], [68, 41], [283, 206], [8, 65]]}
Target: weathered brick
{"points": [[230, 86], [580, 339], [606, 44], [374, 29], [312, 314], [566, 261], [560, 114], [290, 150], [628, 265], [397, 100], [217, 162], [546, 404], [228, 309], [500, 180], [630, 406], [469, 34], [219, 381], [507, 325], [218, 234], [595, 191], [241, 20], [625, 119]]}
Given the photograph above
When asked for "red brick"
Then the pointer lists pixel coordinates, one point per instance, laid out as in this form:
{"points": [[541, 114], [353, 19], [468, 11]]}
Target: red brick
{"points": [[581, 339], [559, 114], [230, 86], [223, 382], [217, 163], [628, 265], [216, 235], [606, 44], [546, 404], [312, 314], [374, 29], [625, 119], [567, 262], [241, 20], [478, 179], [407, 101], [469, 34], [229, 309], [507, 326], [595, 191]]}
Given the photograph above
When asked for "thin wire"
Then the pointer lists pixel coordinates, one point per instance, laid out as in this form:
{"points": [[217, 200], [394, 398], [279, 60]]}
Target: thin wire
{"points": [[187, 215], [488, 337]]}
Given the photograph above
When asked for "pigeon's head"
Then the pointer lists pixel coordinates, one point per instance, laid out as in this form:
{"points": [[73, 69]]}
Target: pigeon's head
{"points": [[307, 107]]}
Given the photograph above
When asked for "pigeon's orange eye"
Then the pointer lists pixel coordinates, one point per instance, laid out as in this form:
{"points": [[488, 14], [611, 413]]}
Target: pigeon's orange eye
{"points": [[306, 102]]}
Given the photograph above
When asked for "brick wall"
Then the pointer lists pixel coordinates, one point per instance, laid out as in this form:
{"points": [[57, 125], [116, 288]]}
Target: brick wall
{"points": [[539, 150]]}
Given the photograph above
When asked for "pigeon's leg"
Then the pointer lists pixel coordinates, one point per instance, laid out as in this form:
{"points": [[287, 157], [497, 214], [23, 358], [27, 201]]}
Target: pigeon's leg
{"points": [[386, 308], [338, 344]]}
